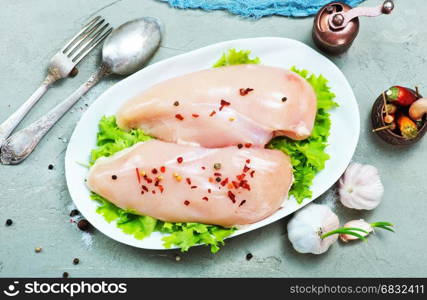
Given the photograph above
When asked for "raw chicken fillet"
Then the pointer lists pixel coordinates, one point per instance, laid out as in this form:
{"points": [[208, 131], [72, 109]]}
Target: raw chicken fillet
{"points": [[219, 107], [180, 183]]}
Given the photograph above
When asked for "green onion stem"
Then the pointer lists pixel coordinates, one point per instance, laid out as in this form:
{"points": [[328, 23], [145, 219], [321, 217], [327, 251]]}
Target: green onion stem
{"points": [[346, 230]]}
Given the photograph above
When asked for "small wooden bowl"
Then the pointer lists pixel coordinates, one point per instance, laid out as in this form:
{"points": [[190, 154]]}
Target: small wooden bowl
{"points": [[388, 135]]}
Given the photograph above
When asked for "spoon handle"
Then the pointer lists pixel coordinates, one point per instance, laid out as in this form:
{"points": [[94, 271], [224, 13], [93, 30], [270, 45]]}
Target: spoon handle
{"points": [[21, 144]]}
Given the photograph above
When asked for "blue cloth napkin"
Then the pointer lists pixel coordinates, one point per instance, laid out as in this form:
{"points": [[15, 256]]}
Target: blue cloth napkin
{"points": [[260, 8]]}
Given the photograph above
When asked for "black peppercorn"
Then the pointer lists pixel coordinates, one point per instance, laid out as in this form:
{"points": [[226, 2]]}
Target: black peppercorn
{"points": [[249, 256], [176, 103], [83, 225], [9, 222], [240, 146], [50, 167], [284, 99], [74, 212], [114, 177], [65, 275], [218, 179], [76, 261]]}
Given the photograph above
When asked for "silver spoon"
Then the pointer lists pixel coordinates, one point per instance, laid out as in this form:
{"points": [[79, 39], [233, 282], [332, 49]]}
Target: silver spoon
{"points": [[124, 52]]}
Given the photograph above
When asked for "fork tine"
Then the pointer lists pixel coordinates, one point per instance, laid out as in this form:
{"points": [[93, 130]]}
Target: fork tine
{"points": [[86, 27], [83, 37], [92, 44]]}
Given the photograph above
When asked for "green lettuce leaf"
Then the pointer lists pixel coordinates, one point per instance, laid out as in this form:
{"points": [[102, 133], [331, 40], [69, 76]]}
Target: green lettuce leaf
{"points": [[111, 139], [234, 57], [308, 158]]}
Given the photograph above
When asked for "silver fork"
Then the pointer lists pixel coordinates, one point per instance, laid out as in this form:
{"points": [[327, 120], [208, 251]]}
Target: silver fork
{"points": [[61, 66]]}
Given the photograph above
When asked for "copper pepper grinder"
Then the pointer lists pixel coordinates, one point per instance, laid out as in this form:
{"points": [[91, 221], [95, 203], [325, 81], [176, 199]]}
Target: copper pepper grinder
{"points": [[336, 24]]}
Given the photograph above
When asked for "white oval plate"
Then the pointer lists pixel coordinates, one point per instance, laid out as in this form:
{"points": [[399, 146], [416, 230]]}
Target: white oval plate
{"points": [[280, 52]]}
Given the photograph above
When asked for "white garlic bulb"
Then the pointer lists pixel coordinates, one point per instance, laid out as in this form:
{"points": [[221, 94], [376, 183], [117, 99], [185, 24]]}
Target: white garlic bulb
{"points": [[307, 226], [360, 187], [356, 224]]}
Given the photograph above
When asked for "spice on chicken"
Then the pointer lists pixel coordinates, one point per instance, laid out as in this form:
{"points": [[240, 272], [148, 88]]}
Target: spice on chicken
{"points": [[176, 103], [186, 202], [244, 92], [205, 198], [179, 159], [162, 169], [223, 103], [179, 117], [195, 115], [241, 203], [212, 113], [138, 176], [231, 196]]}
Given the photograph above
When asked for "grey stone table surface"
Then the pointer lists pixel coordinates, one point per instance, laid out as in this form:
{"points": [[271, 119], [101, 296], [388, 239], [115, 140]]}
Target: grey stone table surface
{"points": [[389, 50]]}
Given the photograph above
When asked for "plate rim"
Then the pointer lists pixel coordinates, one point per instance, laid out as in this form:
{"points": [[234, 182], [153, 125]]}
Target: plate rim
{"points": [[118, 85]]}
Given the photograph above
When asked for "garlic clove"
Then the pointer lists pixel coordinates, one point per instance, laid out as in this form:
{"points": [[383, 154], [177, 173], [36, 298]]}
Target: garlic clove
{"points": [[418, 109], [360, 187], [308, 224], [356, 224]]}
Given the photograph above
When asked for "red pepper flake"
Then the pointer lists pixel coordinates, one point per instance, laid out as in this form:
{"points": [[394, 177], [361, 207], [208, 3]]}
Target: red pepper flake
{"points": [[195, 115], [246, 168], [209, 191], [252, 173], [240, 177], [235, 184], [203, 168], [230, 186], [212, 113], [224, 103], [248, 145], [205, 198], [248, 161], [138, 175], [145, 188], [154, 171], [217, 174], [186, 202], [232, 196], [162, 169], [240, 146], [161, 188], [188, 181], [194, 187], [241, 203], [179, 117], [153, 191], [179, 160], [149, 180], [142, 192], [244, 92], [244, 184], [211, 179], [224, 182], [157, 183]]}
